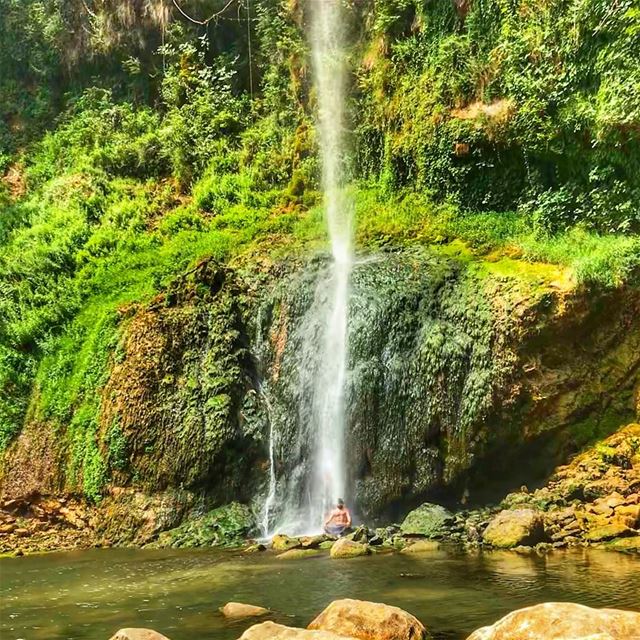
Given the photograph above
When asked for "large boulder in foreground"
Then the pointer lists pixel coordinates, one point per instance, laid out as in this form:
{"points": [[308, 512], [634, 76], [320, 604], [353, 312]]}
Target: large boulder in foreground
{"points": [[369, 621], [273, 631], [516, 527], [238, 610], [563, 621], [427, 520], [138, 634], [345, 548]]}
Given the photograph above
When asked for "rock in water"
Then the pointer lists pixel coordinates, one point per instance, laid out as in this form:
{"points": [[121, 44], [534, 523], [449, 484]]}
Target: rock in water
{"points": [[273, 631], [514, 528], [281, 542], [138, 634], [427, 520], [237, 610], [345, 548], [369, 621], [563, 621], [421, 546], [298, 554]]}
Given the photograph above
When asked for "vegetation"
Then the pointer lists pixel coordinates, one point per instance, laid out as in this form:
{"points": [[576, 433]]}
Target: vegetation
{"points": [[135, 142]]}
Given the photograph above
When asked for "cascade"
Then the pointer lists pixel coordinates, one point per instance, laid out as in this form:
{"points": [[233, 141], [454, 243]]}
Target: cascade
{"points": [[316, 484]]}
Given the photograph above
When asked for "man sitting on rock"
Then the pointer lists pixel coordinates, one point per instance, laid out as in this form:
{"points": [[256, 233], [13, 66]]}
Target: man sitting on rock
{"points": [[339, 520]]}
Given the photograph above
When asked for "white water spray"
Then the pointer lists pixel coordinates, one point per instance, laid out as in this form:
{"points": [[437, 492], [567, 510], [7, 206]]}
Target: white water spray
{"points": [[329, 70], [316, 475]]}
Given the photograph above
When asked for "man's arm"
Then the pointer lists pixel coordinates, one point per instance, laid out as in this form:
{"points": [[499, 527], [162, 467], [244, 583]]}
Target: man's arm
{"points": [[348, 518]]}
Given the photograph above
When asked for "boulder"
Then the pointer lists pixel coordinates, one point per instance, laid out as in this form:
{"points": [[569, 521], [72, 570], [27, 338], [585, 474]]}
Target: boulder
{"points": [[514, 528], [273, 631], [345, 548], [562, 621], [313, 542], [608, 531], [427, 520], [422, 546], [282, 542], [138, 634], [369, 621], [238, 610], [625, 544]]}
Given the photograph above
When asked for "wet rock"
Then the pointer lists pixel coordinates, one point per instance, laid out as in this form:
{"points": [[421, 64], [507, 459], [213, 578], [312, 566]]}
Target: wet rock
{"points": [[297, 554], [282, 542], [562, 621], [313, 542], [255, 548], [625, 544], [238, 610], [8, 528], [428, 520], [369, 621], [421, 546], [273, 631], [608, 531], [361, 534], [345, 548], [327, 544], [138, 634], [228, 525], [518, 527]]}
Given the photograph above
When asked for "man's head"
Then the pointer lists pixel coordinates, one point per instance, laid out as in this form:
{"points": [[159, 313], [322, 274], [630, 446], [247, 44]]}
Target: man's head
{"points": [[340, 503]]}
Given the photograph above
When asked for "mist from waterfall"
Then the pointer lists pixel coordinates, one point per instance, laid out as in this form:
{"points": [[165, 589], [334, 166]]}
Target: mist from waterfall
{"points": [[313, 487]]}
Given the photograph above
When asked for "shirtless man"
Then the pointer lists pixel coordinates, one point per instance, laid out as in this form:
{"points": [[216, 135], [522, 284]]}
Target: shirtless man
{"points": [[339, 520]]}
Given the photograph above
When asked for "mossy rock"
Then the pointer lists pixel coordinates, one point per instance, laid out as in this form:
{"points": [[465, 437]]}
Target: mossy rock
{"points": [[421, 546], [345, 548], [282, 542], [608, 532], [515, 528], [625, 544], [428, 520], [229, 525]]}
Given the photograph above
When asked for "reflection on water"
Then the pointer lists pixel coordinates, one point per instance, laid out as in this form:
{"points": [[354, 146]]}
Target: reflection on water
{"points": [[91, 594]]}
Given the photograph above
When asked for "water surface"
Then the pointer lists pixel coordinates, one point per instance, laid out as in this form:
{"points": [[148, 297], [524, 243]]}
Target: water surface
{"points": [[91, 594]]}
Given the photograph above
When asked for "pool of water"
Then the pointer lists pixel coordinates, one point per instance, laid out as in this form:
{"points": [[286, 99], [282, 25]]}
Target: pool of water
{"points": [[91, 594]]}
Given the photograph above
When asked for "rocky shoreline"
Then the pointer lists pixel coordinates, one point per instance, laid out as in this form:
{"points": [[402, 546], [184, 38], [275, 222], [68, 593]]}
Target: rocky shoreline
{"points": [[592, 502], [349, 619]]}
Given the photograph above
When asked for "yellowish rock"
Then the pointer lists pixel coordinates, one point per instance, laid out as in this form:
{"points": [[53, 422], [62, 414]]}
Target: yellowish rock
{"points": [[138, 634], [273, 631], [421, 546], [369, 621], [345, 548], [562, 621], [238, 610]]}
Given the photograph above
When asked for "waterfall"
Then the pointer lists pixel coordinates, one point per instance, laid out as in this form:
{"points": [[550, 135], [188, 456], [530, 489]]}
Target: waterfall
{"points": [[318, 478], [328, 407]]}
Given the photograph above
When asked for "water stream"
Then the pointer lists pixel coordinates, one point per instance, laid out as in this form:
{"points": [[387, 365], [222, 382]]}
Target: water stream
{"points": [[312, 492]]}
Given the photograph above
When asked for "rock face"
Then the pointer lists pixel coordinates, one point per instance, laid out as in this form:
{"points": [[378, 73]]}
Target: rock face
{"points": [[345, 548], [369, 621], [563, 621], [273, 631], [138, 634], [427, 520], [515, 528], [237, 610]]}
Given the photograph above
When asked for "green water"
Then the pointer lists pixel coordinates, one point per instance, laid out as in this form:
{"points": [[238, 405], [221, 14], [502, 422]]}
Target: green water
{"points": [[90, 594]]}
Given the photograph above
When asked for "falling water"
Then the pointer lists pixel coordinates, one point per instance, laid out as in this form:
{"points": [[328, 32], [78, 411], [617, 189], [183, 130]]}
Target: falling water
{"points": [[329, 480], [319, 477]]}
